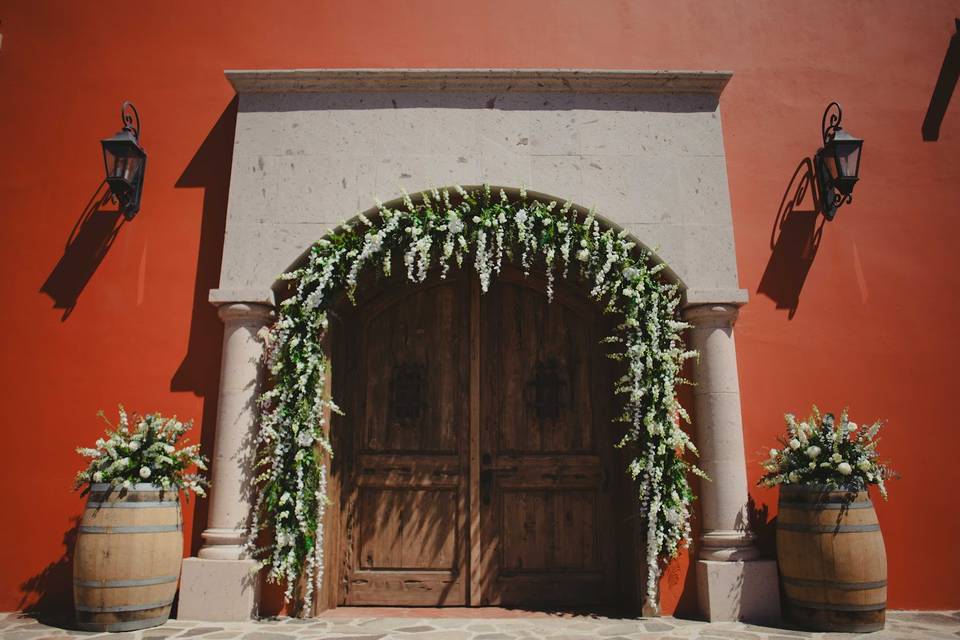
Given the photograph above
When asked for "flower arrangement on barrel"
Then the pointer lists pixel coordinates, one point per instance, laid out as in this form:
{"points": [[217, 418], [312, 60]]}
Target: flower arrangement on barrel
{"points": [[830, 548], [130, 538]]}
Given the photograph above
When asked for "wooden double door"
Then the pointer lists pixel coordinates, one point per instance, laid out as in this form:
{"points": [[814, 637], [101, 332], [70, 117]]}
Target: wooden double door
{"points": [[478, 456]]}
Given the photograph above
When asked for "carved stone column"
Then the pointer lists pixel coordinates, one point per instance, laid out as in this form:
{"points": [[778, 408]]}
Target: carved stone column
{"points": [[221, 583], [732, 582]]}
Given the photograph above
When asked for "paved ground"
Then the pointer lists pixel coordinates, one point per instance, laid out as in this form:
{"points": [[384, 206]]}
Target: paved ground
{"points": [[341, 626]]}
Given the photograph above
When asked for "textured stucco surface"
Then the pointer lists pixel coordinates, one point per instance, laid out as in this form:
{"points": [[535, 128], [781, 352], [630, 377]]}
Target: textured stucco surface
{"points": [[652, 163]]}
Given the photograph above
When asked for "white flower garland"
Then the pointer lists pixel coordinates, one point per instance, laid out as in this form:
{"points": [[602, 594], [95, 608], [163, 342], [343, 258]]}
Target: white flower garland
{"points": [[294, 443]]}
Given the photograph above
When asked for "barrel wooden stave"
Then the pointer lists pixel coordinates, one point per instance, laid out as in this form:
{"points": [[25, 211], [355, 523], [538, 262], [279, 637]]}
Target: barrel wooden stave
{"points": [[832, 560], [127, 559]]}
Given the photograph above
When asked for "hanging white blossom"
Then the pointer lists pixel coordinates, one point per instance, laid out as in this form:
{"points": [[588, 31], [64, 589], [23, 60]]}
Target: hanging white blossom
{"points": [[440, 229]]}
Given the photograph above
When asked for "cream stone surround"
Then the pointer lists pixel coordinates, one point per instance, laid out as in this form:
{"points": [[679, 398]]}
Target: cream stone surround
{"points": [[314, 147]]}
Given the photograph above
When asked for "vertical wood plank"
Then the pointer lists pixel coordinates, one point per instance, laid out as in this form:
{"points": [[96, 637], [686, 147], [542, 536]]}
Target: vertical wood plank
{"points": [[474, 596]]}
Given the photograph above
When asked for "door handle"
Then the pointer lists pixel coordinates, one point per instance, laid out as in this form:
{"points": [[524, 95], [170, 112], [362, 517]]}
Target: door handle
{"points": [[486, 482]]}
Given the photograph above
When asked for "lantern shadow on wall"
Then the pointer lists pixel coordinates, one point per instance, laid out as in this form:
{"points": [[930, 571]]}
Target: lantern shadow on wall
{"points": [[87, 245]]}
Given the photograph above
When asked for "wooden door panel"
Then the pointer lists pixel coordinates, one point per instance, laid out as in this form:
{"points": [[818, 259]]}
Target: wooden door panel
{"points": [[415, 389], [549, 531], [545, 506], [406, 513], [407, 529]]}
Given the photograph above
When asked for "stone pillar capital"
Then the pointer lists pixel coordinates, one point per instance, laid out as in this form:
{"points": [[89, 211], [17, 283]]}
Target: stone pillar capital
{"points": [[715, 314], [245, 312]]}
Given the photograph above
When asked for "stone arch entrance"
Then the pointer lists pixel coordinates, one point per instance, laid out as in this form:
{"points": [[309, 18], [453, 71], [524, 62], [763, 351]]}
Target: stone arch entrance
{"points": [[313, 146]]}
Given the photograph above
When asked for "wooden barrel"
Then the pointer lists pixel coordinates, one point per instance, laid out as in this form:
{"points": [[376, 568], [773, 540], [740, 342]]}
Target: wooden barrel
{"points": [[832, 561], [127, 560]]}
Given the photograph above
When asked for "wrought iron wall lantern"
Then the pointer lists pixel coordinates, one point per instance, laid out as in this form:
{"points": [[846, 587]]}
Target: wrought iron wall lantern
{"points": [[125, 162], [837, 162]]}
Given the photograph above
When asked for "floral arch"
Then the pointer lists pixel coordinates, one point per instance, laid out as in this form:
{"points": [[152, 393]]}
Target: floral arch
{"points": [[443, 228]]}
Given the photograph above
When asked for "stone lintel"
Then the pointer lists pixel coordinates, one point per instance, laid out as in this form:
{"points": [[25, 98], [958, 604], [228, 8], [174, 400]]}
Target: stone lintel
{"points": [[477, 80]]}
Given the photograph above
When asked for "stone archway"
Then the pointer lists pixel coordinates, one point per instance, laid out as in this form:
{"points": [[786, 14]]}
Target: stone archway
{"points": [[308, 141]]}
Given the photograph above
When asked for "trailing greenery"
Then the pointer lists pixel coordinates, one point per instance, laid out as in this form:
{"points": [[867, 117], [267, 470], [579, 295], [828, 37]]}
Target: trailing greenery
{"points": [[440, 230], [145, 452], [822, 450]]}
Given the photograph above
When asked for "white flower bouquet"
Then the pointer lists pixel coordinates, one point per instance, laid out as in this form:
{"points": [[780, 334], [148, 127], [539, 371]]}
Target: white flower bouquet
{"points": [[147, 451], [823, 450]]}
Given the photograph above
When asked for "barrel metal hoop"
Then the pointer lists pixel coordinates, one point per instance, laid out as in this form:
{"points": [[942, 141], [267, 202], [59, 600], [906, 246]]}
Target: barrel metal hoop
{"points": [[816, 506], [831, 584], [111, 584], [125, 607], [826, 606], [828, 528], [148, 528], [129, 625], [146, 504]]}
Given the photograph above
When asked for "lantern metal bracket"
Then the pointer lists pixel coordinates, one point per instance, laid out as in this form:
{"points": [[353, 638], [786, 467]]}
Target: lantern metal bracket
{"points": [[129, 115]]}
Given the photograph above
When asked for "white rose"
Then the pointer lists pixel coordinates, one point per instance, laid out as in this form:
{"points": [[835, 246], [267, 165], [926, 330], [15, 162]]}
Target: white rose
{"points": [[134, 445], [169, 448], [521, 216], [812, 465], [305, 438], [793, 476], [774, 453], [97, 476], [794, 444], [583, 255], [844, 468], [863, 465], [852, 426], [144, 472], [630, 273], [454, 225], [836, 457], [813, 451]]}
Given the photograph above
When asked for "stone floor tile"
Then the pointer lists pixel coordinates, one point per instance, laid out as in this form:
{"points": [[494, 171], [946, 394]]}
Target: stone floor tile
{"points": [[198, 631], [267, 635]]}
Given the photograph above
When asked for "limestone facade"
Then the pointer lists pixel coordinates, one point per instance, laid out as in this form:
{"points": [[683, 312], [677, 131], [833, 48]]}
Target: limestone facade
{"points": [[315, 147]]}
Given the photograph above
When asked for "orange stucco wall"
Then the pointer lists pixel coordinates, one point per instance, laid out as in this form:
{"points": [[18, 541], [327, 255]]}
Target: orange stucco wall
{"points": [[874, 328]]}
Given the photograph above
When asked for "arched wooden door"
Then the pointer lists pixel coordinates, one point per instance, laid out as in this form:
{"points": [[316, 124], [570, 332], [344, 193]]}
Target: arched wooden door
{"points": [[479, 470]]}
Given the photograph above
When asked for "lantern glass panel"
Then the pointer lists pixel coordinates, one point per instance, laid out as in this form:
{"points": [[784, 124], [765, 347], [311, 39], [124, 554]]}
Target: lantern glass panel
{"points": [[123, 162], [848, 158], [830, 162]]}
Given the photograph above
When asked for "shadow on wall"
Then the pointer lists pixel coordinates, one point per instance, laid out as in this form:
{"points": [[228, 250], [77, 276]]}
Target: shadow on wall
{"points": [[89, 241], [48, 596], [794, 240], [199, 373], [942, 92]]}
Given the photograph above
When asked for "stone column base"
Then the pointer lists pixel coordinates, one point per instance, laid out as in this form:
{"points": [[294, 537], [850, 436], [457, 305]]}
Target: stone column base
{"points": [[740, 590], [218, 590]]}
